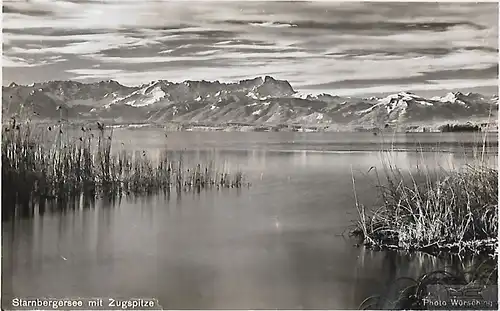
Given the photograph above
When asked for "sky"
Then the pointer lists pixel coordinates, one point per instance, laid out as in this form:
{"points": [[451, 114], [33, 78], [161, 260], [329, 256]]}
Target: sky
{"points": [[337, 48]]}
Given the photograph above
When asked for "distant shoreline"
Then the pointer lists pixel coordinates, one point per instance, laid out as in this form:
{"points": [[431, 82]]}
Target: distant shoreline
{"points": [[440, 127]]}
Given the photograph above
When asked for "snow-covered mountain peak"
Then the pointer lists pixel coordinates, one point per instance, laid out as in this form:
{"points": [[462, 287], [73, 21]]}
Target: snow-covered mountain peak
{"points": [[258, 100], [451, 97], [151, 96]]}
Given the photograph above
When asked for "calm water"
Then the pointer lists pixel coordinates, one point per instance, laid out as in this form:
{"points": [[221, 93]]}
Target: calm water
{"points": [[277, 244]]}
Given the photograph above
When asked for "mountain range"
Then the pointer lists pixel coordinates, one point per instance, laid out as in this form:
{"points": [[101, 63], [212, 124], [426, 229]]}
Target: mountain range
{"points": [[255, 102]]}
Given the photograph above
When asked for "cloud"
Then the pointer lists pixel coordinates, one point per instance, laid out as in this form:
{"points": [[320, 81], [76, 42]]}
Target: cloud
{"points": [[92, 44], [134, 40], [16, 62], [83, 73], [100, 15], [438, 85], [196, 56], [10, 9]]}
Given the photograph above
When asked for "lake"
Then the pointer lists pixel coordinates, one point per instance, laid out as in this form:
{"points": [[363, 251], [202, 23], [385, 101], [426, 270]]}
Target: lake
{"points": [[281, 243]]}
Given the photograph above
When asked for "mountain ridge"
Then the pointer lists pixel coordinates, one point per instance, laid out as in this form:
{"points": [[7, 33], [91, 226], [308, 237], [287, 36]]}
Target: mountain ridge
{"points": [[258, 101]]}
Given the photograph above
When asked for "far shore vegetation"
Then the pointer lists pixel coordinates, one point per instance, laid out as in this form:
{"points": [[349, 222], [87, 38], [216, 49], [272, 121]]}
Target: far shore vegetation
{"points": [[456, 127], [43, 164]]}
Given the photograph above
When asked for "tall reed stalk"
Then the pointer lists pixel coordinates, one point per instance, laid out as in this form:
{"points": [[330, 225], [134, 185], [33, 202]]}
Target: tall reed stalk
{"points": [[35, 170]]}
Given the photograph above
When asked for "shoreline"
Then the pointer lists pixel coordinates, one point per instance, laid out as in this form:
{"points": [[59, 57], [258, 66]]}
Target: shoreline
{"points": [[477, 126]]}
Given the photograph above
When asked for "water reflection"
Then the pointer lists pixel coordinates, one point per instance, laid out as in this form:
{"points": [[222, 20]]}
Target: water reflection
{"points": [[399, 270], [153, 139], [277, 244], [204, 253]]}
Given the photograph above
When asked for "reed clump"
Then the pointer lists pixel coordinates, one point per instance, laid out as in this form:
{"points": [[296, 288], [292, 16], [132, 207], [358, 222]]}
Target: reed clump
{"points": [[40, 164], [442, 210]]}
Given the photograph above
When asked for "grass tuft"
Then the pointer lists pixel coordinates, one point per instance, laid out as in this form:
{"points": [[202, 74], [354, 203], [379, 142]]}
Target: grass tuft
{"points": [[441, 210]]}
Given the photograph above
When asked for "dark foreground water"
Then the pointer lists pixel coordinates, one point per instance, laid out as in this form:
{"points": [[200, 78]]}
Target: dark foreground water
{"points": [[278, 244]]}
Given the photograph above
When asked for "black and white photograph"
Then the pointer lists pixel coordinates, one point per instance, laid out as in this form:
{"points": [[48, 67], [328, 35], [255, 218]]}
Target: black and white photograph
{"points": [[180, 155]]}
